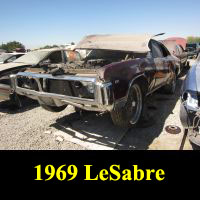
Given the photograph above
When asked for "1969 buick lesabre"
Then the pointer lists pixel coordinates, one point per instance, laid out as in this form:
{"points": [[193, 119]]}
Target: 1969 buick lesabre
{"points": [[116, 76]]}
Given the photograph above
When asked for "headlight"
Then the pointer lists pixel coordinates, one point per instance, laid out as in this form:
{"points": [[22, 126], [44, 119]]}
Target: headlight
{"points": [[89, 86], [192, 101]]}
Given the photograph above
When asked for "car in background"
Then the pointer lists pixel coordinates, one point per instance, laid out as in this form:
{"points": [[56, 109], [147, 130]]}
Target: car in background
{"points": [[33, 59], [178, 51], [116, 76], [9, 57], [180, 41], [190, 103], [20, 50], [193, 50]]}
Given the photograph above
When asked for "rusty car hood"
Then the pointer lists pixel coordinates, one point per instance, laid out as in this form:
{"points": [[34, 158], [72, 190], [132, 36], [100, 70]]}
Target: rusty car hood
{"points": [[133, 43]]}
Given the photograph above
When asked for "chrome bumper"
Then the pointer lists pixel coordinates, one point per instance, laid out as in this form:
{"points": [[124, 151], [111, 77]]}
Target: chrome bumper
{"points": [[103, 93]]}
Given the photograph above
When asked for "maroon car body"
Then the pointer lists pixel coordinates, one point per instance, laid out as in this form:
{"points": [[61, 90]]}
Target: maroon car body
{"points": [[116, 76], [175, 48]]}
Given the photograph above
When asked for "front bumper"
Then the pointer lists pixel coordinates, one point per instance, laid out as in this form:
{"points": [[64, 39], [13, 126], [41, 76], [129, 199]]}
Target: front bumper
{"points": [[103, 92], [190, 120]]}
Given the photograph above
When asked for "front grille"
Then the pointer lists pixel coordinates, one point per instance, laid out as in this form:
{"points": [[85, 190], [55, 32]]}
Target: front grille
{"points": [[59, 87], [56, 86], [68, 88]]}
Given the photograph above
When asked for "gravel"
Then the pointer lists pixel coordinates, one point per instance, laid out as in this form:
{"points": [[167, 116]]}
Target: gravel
{"points": [[31, 128]]}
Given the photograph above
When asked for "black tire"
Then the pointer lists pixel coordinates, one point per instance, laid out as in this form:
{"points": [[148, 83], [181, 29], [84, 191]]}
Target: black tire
{"points": [[16, 100], [171, 88], [53, 108], [130, 114]]}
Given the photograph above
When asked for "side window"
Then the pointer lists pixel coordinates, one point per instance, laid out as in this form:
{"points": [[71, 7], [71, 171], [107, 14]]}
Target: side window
{"points": [[72, 56], [156, 50], [55, 57], [164, 50]]}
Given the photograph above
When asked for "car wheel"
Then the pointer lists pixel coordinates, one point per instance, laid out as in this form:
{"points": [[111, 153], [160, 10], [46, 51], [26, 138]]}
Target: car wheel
{"points": [[171, 87], [15, 100], [131, 113], [53, 108]]}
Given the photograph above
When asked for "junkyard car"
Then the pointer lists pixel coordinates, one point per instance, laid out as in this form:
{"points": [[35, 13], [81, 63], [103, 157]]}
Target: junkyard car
{"points": [[9, 57], [178, 51], [116, 76], [190, 106], [33, 59], [193, 50]]}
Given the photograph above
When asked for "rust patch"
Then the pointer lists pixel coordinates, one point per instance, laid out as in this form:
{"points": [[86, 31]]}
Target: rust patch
{"points": [[172, 129]]}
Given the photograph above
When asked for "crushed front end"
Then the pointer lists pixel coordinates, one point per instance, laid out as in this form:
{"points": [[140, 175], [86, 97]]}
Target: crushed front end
{"points": [[84, 91]]}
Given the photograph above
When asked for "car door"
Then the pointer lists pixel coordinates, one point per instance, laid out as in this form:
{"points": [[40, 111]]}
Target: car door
{"points": [[160, 62]]}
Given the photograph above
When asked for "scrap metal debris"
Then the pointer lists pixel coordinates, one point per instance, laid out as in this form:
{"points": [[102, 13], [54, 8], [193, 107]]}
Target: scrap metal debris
{"points": [[172, 129]]}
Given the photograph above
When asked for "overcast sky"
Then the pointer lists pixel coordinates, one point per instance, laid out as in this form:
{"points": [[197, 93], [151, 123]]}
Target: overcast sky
{"points": [[40, 22]]}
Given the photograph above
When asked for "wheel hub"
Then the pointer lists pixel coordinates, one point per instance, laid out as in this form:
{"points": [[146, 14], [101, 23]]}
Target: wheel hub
{"points": [[173, 129]]}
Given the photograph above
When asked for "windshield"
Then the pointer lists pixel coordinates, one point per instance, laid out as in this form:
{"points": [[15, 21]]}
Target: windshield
{"points": [[4, 57], [33, 57]]}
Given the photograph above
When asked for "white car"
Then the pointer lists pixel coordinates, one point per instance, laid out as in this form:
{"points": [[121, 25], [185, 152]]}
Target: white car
{"points": [[9, 57]]}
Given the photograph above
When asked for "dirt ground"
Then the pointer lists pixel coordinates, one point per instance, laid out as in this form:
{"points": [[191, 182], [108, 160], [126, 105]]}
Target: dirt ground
{"points": [[34, 128]]}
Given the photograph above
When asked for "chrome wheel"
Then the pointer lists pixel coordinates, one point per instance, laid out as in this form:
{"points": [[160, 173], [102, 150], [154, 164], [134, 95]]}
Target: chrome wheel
{"points": [[136, 104]]}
